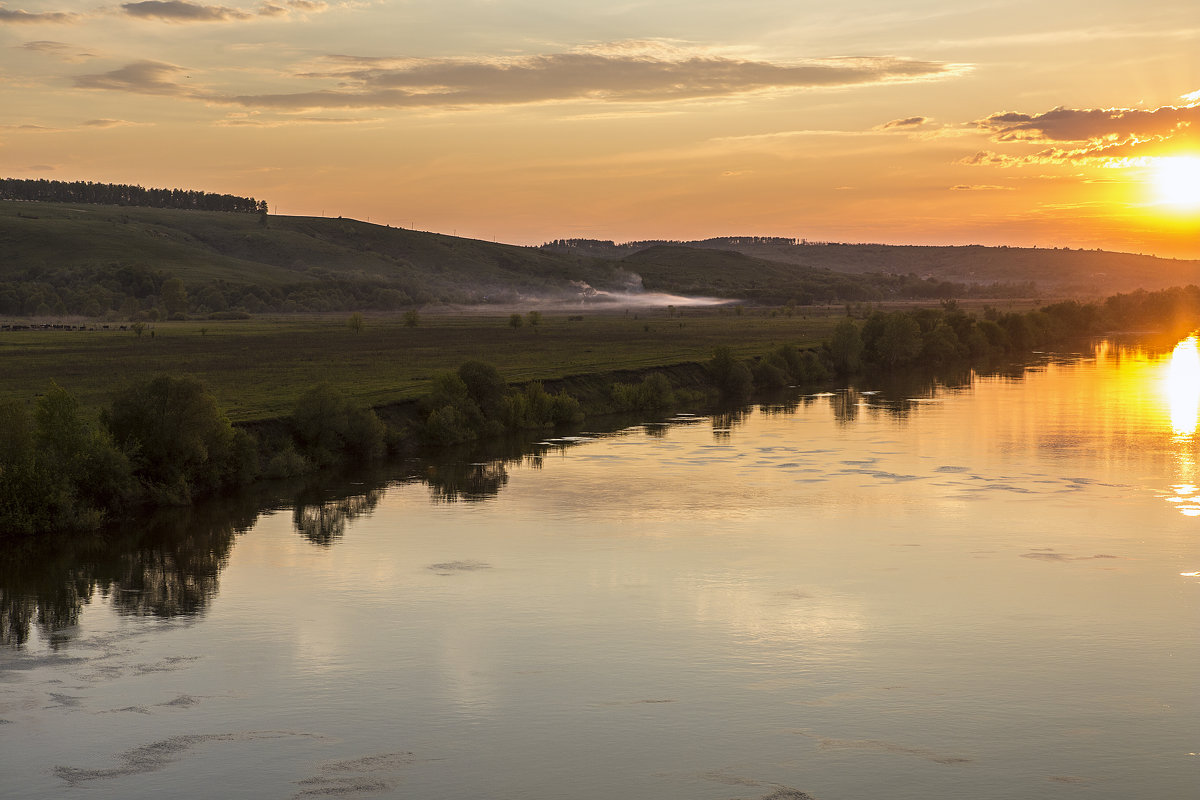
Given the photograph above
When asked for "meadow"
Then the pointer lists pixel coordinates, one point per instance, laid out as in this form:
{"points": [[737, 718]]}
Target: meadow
{"points": [[258, 368]]}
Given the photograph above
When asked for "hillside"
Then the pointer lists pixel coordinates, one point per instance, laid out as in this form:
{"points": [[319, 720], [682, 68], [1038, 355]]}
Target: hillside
{"points": [[723, 273], [284, 263], [1076, 272]]}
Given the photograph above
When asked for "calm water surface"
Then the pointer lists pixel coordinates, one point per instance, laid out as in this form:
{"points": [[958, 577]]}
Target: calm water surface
{"points": [[985, 591]]}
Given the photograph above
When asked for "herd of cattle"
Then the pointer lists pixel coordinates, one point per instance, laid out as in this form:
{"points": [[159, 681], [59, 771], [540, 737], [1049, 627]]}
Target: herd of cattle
{"points": [[47, 326]]}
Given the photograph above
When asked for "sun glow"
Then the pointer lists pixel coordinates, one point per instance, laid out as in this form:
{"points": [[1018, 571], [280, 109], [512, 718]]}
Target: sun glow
{"points": [[1177, 182]]}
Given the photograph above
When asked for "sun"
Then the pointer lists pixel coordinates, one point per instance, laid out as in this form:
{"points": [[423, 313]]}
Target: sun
{"points": [[1177, 182]]}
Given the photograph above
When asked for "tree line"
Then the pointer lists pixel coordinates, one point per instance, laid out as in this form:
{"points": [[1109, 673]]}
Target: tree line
{"points": [[123, 194], [166, 441], [124, 291]]}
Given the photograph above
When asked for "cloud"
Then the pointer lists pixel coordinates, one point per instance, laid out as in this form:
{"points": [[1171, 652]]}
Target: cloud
{"points": [[142, 77], [61, 50], [979, 187], [588, 76], [577, 76], [1089, 124], [109, 123], [18, 17], [250, 122], [908, 123], [180, 11], [1092, 134], [183, 11]]}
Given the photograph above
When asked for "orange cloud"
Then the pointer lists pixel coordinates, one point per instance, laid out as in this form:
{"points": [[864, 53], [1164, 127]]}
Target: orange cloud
{"points": [[907, 123], [460, 82], [143, 77], [1094, 134], [183, 11], [11, 17]]}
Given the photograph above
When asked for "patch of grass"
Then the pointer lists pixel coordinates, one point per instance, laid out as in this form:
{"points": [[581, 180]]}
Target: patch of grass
{"points": [[259, 368]]}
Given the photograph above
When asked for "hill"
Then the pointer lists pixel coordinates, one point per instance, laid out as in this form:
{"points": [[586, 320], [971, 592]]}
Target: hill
{"points": [[694, 271], [1087, 273], [68, 257]]}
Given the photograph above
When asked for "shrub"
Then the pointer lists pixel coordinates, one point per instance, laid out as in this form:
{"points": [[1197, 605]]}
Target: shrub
{"points": [[178, 441], [653, 393], [730, 375], [846, 348], [330, 430]]}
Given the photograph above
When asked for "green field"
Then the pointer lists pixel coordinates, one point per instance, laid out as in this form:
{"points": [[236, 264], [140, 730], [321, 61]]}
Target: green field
{"points": [[258, 368]]}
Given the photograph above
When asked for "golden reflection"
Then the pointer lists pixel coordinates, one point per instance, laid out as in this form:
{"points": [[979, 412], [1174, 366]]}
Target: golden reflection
{"points": [[1182, 386]]}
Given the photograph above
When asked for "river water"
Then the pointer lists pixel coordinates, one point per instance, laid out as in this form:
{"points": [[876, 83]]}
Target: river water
{"points": [[985, 588]]}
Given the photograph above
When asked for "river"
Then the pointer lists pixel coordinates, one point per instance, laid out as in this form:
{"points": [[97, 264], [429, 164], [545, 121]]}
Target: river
{"points": [[981, 588]]}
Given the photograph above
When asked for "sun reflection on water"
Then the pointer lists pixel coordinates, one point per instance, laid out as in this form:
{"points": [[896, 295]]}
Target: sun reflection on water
{"points": [[1182, 386]]}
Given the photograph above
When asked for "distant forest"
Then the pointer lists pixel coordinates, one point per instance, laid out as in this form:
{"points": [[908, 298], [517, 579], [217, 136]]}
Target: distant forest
{"points": [[121, 194]]}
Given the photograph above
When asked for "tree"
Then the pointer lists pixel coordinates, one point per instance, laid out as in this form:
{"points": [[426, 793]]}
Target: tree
{"points": [[179, 442], [355, 323], [846, 347], [331, 429], [174, 297], [535, 318], [730, 374], [515, 321], [892, 339], [411, 318], [138, 329]]}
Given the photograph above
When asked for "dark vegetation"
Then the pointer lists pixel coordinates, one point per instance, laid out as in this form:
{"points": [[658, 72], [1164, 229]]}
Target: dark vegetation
{"points": [[121, 194], [165, 441], [1027, 271], [723, 273]]}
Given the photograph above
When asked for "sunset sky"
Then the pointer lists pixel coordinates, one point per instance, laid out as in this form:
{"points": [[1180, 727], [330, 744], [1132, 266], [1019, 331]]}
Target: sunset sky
{"points": [[1052, 123]]}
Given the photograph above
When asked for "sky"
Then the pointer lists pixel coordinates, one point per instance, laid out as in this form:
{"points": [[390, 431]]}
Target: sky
{"points": [[1057, 123]]}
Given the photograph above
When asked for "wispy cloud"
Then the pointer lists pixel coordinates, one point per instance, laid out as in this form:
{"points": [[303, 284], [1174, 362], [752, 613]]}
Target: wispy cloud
{"points": [[254, 122], [183, 11], [30, 128], [179, 11], [360, 82], [60, 50], [109, 123], [17, 17], [906, 124], [980, 187], [142, 77]]}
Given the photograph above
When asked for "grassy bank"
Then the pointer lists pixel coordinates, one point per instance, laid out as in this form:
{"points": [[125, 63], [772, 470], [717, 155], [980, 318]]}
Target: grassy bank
{"points": [[258, 368]]}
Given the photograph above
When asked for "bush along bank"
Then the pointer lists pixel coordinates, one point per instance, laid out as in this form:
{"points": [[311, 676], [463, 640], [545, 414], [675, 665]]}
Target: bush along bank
{"points": [[166, 441]]}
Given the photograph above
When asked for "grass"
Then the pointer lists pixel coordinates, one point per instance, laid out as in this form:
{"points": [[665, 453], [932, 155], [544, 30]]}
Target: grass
{"points": [[258, 368]]}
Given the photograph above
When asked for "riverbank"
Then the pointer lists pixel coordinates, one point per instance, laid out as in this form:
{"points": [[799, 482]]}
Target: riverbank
{"points": [[168, 440]]}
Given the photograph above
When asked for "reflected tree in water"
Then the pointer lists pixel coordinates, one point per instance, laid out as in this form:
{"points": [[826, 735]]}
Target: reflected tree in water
{"points": [[472, 482], [166, 566], [325, 523], [845, 405]]}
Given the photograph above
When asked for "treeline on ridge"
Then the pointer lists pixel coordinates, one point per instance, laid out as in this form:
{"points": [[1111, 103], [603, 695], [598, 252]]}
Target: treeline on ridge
{"points": [[123, 194], [122, 291]]}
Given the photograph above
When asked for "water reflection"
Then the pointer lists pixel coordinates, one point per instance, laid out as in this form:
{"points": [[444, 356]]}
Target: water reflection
{"points": [[1182, 386], [169, 564], [324, 522], [169, 567]]}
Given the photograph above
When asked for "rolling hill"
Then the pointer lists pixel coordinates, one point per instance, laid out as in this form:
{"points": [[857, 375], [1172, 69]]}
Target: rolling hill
{"points": [[1084, 273], [122, 261]]}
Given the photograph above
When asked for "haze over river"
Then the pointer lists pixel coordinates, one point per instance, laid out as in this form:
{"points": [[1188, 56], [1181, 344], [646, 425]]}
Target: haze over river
{"points": [[987, 590]]}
